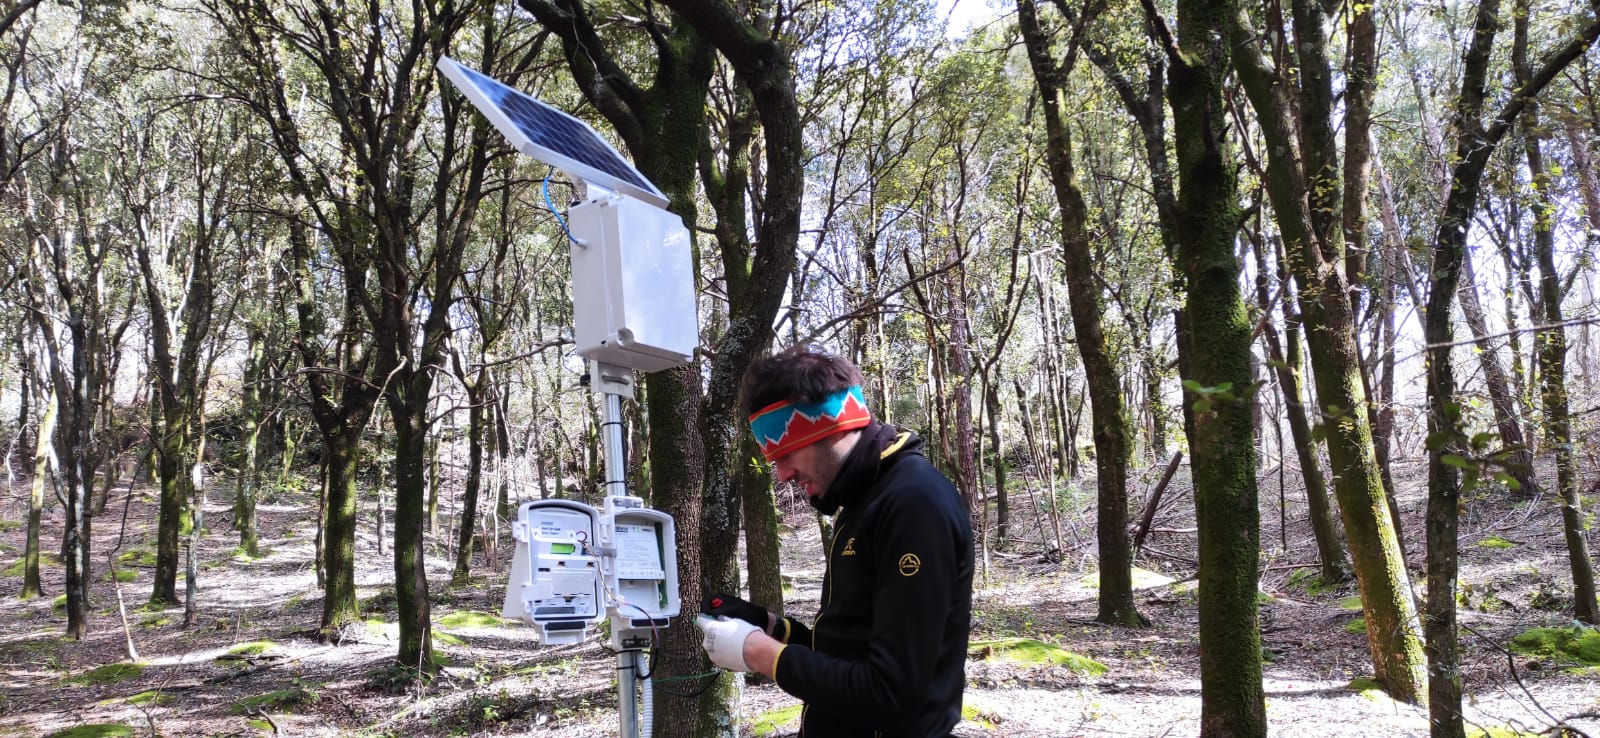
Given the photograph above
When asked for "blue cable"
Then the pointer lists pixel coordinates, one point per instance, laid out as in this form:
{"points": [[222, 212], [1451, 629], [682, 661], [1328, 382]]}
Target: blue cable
{"points": [[552, 206]]}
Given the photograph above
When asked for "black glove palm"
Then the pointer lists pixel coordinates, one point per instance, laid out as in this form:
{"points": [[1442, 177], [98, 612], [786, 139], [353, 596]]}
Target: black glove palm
{"points": [[733, 607]]}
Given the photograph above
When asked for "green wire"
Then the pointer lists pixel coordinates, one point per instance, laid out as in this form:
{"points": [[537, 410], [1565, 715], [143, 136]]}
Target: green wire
{"points": [[662, 680]]}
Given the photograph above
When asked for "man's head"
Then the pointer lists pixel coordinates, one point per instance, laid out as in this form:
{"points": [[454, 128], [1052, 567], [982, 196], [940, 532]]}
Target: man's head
{"points": [[806, 410]]}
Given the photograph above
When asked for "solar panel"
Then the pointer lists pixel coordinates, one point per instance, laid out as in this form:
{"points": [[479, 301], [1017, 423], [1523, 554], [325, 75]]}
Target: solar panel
{"points": [[549, 135]]}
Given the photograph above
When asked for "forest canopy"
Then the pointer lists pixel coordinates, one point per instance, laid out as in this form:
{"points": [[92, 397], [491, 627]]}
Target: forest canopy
{"points": [[1258, 295]]}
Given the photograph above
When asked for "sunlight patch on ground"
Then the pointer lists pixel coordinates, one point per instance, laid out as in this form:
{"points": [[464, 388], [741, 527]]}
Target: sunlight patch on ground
{"points": [[46, 635], [1142, 579], [1032, 652]]}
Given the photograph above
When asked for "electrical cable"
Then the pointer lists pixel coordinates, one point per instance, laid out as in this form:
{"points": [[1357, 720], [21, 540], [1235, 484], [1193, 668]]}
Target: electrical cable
{"points": [[656, 651], [550, 204]]}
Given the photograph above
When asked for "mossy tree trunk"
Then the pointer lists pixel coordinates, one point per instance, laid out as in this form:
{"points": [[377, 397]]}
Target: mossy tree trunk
{"points": [[411, 348], [1448, 448], [1108, 413], [663, 126], [339, 606], [340, 394], [1002, 501], [177, 436], [1286, 363], [757, 273], [1299, 180], [1215, 347], [753, 479]]}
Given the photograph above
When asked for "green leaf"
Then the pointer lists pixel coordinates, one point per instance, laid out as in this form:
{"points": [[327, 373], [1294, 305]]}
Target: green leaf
{"points": [[1455, 461], [1509, 481], [1202, 406], [1193, 386]]}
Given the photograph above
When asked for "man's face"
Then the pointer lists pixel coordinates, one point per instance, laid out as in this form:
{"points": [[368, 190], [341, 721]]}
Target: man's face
{"points": [[815, 466]]}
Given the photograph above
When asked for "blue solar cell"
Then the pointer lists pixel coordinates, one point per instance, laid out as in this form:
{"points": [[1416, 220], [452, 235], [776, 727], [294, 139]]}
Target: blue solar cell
{"points": [[551, 131]]}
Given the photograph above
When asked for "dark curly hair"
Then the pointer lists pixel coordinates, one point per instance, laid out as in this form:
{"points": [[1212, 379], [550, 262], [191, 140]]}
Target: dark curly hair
{"points": [[797, 374]]}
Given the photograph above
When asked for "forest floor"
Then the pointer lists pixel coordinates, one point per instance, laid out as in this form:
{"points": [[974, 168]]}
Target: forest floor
{"points": [[249, 665]]}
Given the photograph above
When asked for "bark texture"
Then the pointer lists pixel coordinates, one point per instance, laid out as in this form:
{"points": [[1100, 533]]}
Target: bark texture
{"points": [[1215, 347]]}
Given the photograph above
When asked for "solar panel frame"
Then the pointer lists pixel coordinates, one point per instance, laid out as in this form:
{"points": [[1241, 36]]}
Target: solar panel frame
{"points": [[550, 135]]}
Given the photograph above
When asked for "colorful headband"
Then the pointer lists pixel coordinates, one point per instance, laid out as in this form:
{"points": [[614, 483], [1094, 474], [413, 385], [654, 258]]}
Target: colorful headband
{"points": [[785, 426]]}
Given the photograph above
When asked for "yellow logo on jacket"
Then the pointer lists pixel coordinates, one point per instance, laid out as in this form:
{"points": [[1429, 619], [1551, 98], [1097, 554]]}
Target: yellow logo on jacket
{"points": [[849, 548], [910, 565]]}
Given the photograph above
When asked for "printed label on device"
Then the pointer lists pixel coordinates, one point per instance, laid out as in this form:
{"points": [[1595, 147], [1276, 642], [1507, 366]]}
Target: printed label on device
{"points": [[638, 554]]}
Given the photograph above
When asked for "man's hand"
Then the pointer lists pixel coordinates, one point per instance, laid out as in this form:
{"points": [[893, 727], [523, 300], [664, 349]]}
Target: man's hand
{"points": [[724, 641], [725, 605]]}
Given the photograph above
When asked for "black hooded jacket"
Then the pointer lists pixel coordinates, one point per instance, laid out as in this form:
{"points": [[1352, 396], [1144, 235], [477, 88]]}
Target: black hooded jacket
{"points": [[886, 655]]}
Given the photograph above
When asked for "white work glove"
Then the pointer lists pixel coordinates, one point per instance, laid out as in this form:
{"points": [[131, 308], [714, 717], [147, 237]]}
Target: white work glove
{"points": [[724, 641]]}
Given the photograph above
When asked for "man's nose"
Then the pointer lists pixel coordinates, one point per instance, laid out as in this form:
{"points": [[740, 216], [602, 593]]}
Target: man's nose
{"points": [[784, 470]]}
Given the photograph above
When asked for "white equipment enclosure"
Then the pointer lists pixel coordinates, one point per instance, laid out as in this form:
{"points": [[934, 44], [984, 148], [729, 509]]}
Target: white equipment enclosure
{"points": [[575, 565], [632, 285], [633, 293]]}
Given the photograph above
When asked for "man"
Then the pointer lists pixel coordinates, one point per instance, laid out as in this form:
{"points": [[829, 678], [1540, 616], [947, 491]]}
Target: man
{"points": [[886, 654]]}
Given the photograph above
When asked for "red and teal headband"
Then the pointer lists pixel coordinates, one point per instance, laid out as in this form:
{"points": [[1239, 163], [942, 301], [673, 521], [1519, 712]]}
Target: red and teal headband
{"points": [[785, 426]]}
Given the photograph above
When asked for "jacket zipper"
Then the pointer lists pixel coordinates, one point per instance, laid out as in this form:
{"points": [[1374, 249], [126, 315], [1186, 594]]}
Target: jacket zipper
{"points": [[886, 453]]}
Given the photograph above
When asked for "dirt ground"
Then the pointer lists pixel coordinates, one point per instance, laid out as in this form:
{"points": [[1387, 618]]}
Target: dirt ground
{"points": [[208, 680]]}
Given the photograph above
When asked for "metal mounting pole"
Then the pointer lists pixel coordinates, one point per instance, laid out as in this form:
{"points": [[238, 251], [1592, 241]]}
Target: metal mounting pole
{"points": [[613, 383]]}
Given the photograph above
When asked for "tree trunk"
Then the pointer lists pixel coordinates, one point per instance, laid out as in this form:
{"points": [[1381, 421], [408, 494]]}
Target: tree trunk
{"points": [[1551, 353], [180, 390], [173, 516], [197, 505], [1501, 397], [340, 449], [25, 393], [43, 464], [1552, 350], [678, 463], [76, 447], [760, 526], [1002, 502], [320, 545], [500, 451], [1397, 273], [435, 484], [1108, 413], [76, 544], [1392, 628], [469, 498], [248, 488], [1474, 145], [410, 496], [959, 352], [1329, 549], [1216, 344]]}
